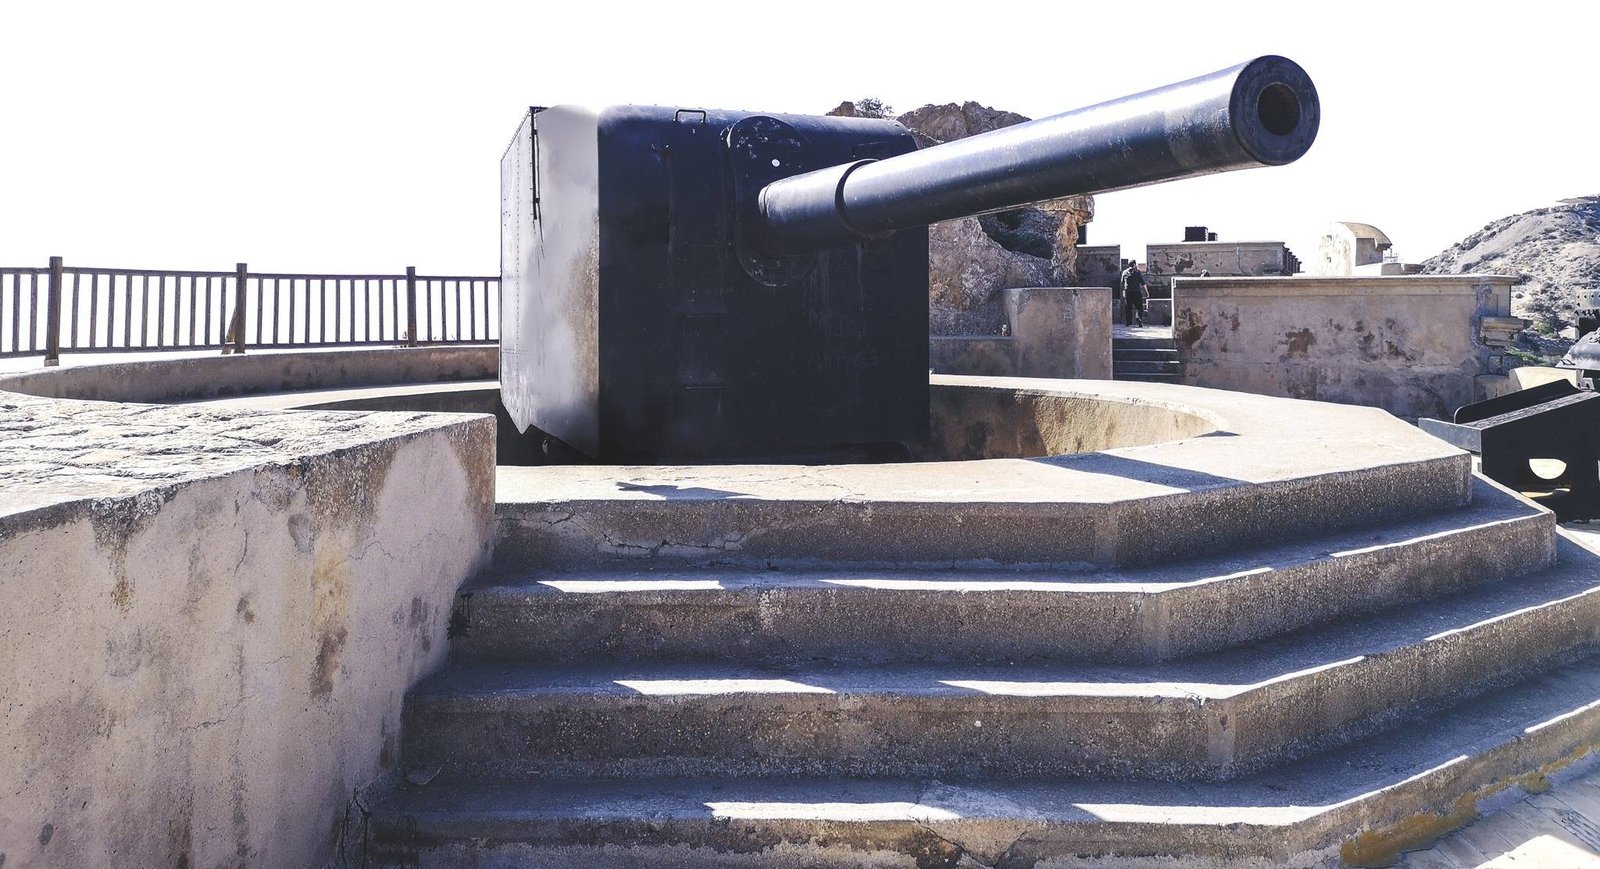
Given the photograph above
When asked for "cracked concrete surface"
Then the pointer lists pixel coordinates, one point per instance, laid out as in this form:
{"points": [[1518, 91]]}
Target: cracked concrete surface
{"points": [[211, 617], [54, 450]]}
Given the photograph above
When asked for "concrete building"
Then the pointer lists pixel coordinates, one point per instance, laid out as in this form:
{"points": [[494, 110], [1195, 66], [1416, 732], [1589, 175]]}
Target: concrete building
{"points": [[1357, 249], [1098, 265], [1220, 258], [1165, 262]]}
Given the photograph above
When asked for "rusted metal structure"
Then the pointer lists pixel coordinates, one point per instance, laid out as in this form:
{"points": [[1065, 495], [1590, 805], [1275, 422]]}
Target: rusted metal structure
{"points": [[703, 284]]}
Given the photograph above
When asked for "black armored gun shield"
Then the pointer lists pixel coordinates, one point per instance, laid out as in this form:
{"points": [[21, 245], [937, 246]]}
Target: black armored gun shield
{"points": [[641, 319]]}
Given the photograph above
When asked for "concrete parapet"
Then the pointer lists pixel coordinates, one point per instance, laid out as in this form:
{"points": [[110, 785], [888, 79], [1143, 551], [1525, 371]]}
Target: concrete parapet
{"points": [[1529, 376], [1160, 313], [205, 377], [1055, 332], [211, 617], [1098, 265], [1167, 262], [983, 423], [1413, 346], [1136, 504]]}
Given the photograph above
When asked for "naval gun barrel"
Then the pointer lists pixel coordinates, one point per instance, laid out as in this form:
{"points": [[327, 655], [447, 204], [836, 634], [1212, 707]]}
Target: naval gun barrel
{"points": [[1260, 113]]}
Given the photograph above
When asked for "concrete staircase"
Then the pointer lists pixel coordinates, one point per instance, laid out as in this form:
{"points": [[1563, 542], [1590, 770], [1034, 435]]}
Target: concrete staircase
{"points": [[1324, 700], [1152, 360]]}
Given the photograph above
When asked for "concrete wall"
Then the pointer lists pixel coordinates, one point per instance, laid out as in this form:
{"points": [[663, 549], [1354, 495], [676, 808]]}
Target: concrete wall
{"points": [[1350, 249], [1055, 332], [1098, 265], [974, 422], [984, 356], [210, 619], [1163, 262], [1411, 345], [203, 377]]}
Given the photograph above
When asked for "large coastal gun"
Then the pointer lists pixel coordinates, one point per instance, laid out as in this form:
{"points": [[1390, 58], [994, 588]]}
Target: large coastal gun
{"points": [[697, 284]]}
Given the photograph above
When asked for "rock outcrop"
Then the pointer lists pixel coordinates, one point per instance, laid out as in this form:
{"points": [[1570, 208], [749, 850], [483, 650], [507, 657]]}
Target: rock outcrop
{"points": [[933, 125], [1555, 251], [970, 259]]}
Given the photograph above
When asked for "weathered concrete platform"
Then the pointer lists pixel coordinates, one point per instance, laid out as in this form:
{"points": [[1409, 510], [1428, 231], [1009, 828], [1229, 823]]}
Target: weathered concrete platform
{"points": [[1241, 631], [1291, 634], [1260, 458]]}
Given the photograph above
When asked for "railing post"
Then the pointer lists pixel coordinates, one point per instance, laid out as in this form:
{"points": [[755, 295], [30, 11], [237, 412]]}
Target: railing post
{"points": [[411, 306], [242, 274], [234, 341], [52, 316]]}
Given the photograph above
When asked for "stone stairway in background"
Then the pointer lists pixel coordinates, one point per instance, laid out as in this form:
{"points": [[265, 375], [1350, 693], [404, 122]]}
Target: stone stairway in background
{"points": [[1152, 360], [1333, 697]]}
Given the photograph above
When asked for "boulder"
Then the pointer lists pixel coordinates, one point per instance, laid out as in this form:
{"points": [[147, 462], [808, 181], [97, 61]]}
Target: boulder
{"points": [[966, 270], [971, 259]]}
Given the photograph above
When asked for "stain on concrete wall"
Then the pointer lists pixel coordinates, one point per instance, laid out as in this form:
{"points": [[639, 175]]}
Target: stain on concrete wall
{"points": [[1410, 345], [1297, 344]]}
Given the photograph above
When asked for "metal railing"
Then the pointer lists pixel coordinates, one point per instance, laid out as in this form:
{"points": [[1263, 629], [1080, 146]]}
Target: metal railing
{"points": [[63, 308]]}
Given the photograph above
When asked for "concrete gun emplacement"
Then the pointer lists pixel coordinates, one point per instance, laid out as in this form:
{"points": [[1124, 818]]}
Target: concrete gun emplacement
{"points": [[696, 284]]}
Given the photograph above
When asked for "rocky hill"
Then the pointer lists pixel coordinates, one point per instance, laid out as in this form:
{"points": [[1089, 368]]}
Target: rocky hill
{"points": [[1556, 252]]}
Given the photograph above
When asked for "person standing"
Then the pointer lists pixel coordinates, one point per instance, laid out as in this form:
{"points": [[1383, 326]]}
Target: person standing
{"points": [[1134, 293]]}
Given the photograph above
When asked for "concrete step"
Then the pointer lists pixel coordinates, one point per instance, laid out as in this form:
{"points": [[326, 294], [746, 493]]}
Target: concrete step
{"points": [[1143, 344], [1359, 805], [1208, 717], [1125, 507], [1144, 355], [1134, 614], [1148, 378], [1120, 368]]}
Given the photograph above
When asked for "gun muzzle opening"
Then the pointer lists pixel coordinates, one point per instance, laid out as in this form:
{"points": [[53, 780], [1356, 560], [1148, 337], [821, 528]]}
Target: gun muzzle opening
{"points": [[1279, 109], [1275, 110]]}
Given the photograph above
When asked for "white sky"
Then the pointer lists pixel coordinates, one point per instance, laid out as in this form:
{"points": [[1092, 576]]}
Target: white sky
{"points": [[363, 137]]}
